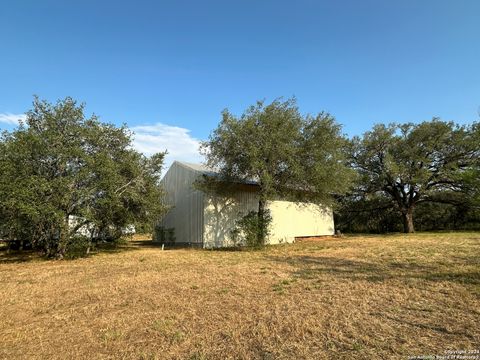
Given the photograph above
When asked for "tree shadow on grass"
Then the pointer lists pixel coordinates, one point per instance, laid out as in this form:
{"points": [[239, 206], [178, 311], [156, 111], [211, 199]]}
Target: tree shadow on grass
{"points": [[16, 256], [439, 329], [23, 256], [309, 267], [142, 244], [174, 246]]}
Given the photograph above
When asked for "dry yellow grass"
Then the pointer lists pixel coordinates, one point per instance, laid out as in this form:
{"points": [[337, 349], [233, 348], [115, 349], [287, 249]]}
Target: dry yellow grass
{"points": [[358, 297]]}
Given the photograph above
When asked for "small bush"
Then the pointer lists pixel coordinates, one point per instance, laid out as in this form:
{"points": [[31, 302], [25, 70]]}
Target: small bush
{"points": [[78, 246], [164, 235], [251, 231]]}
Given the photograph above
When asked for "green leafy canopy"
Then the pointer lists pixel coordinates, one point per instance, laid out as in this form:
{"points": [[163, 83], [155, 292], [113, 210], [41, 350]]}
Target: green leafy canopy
{"points": [[433, 161], [60, 164], [289, 155]]}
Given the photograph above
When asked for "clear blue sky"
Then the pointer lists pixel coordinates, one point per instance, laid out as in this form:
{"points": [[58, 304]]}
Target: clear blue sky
{"points": [[180, 63]]}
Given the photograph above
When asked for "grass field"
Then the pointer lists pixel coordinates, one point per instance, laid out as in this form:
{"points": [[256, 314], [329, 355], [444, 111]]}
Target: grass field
{"points": [[358, 297]]}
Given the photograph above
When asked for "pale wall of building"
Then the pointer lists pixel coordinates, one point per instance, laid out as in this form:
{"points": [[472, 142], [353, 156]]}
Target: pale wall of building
{"points": [[186, 213], [207, 220], [290, 220], [220, 214]]}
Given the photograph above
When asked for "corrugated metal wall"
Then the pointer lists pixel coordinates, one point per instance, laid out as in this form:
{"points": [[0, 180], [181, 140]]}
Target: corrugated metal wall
{"points": [[186, 214], [220, 215], [207, 220], [290, 220]]}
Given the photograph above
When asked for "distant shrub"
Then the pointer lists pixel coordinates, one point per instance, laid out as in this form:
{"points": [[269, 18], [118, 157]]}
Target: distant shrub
{"points": [[78, 246], [164, 235]]}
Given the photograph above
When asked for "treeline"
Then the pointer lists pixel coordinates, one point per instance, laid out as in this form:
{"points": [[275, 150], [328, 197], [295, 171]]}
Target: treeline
{"points": [[381, 217], [68, 182]]}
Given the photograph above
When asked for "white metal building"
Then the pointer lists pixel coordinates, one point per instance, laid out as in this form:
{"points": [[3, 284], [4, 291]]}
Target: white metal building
{"points": [[205, 220]]}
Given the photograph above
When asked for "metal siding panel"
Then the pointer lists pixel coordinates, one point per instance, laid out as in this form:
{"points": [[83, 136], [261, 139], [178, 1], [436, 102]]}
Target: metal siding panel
{"points": [[208, 220], [290, 220], [220, 215], [184, 216]]}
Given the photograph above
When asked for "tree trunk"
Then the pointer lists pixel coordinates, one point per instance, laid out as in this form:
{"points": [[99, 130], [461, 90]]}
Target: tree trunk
{"points": [[90, 241], [61, 247], [407, 217], [261, 221]]}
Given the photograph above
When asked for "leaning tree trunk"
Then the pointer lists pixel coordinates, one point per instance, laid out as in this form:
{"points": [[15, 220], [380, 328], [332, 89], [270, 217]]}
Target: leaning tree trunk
{"points": [[407, 216]]}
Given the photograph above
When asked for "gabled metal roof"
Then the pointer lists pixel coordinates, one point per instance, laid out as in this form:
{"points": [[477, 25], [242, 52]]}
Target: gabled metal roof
{"points": [[205, 170], [198, 168]]}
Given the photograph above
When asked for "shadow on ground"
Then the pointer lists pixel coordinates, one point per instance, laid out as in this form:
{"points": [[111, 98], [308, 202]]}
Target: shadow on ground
{"points": [[17, 256], [309, 267]]}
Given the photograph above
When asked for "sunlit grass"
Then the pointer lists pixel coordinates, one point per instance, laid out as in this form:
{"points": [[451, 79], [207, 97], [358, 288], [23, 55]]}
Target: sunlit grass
{"points": [[357, 297]]}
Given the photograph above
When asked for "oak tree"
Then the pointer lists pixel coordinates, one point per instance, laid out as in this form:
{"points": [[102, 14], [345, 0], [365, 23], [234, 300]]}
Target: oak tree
{"points": [[61, 171], [433, 161], [288, 155]]}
